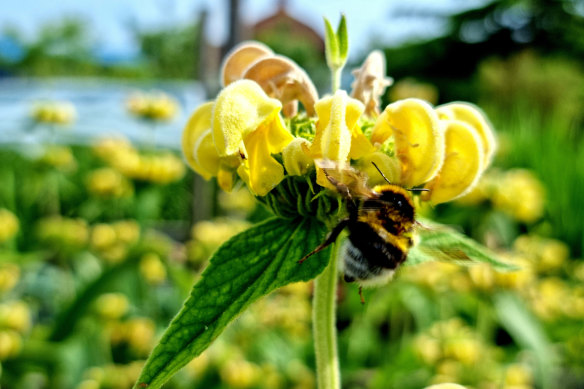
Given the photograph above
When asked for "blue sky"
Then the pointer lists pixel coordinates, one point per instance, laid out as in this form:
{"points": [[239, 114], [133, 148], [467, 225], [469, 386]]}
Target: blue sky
{"points": [[109, 19]]}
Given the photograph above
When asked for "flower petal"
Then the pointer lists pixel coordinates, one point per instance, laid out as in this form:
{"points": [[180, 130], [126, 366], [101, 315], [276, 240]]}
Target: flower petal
{"points": [[474, 116], [206, 157], [419, 143], [260, 170], [463, 163], [390, 167], [337, 115], [296, 160], [370, 82], [199, 122], [240, 58], [240, 109]]}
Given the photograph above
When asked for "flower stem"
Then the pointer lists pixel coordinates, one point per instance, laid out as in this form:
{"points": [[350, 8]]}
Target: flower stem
{"points": [[324, 325], [336, 79]]}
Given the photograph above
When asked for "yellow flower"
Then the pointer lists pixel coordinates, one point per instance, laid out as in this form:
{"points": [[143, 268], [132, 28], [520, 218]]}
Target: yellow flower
{"points": [[112, 306], [9, 225], [462, 166], [197, 142], [337, 135], [239, 132], [246, 123], [152, 106], [414, 127], [54, 112], [473, 116]]}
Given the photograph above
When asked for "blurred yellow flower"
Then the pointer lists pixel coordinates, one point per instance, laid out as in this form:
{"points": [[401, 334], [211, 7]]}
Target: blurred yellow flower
{"points": [[15, 315], [519, 375], [9, 276], [10, 344], [59, 157], [239, 373], [157, 106], [54, 112], [9, 225], [63, 232], [108, 182], [152, 269], [160, 168], [112, 306], [520, 194], [411, 88]]}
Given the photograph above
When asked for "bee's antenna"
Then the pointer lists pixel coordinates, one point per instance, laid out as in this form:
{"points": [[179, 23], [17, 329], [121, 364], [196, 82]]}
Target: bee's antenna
{"points": [[418, 189], [380, 172]]}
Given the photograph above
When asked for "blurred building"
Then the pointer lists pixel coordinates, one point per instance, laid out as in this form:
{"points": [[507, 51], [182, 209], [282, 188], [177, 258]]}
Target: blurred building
{"points": [[282, 32]]}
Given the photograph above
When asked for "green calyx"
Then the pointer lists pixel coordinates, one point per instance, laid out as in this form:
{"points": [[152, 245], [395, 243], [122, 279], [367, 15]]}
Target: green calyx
{"points": [[301, 196]]}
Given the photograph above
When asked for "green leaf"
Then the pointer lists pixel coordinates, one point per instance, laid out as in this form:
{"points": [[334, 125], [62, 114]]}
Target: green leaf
{"points": [[247, 267], [331, 44], [343, 39], [525, 329], [438, 242]]}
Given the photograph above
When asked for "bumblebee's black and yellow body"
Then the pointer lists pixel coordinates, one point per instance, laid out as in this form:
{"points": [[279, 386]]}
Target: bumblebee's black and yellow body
{"points": [[379, 237], [380, 223]]}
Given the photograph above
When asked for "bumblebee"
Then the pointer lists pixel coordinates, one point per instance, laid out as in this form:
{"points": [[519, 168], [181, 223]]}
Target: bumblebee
{"points": [[380, 223]]}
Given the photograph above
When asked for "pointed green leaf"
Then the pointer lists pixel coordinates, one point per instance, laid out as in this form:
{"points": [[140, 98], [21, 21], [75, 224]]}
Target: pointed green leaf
{"points": [[527, 332], [247, 267], [343, 39], [331, 45], [438, 242]]}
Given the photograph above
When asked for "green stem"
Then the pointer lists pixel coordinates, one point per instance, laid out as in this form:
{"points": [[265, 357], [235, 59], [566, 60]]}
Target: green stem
{"points": [[336, 79], [324, 325]]}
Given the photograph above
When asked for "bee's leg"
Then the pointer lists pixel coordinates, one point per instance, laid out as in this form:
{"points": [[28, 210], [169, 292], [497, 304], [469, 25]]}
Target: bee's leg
{"points": [[343, 191], [361, 295], [341, 188], [330, 238]]}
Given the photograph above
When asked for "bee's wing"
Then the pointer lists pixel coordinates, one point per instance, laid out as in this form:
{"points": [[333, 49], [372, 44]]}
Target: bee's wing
{"points": [[344, 177], [428, 230]]}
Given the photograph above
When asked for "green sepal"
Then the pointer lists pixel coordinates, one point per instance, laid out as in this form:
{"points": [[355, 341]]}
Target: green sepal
{"points": [[331, 44], [438, 242], [343, 39], [245, 268], [336, 44]]}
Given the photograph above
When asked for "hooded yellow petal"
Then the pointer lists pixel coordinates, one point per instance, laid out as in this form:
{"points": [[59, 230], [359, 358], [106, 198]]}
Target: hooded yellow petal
{"points": [[260, 170], [463, 163], [474, 116], [199, 122], [296, 159], [337, 116], [239, 110], [206, 157], [419, 142]]}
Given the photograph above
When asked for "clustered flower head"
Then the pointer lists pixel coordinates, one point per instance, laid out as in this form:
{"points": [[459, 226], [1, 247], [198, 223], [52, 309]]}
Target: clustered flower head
{"points": [[253, 132]]}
